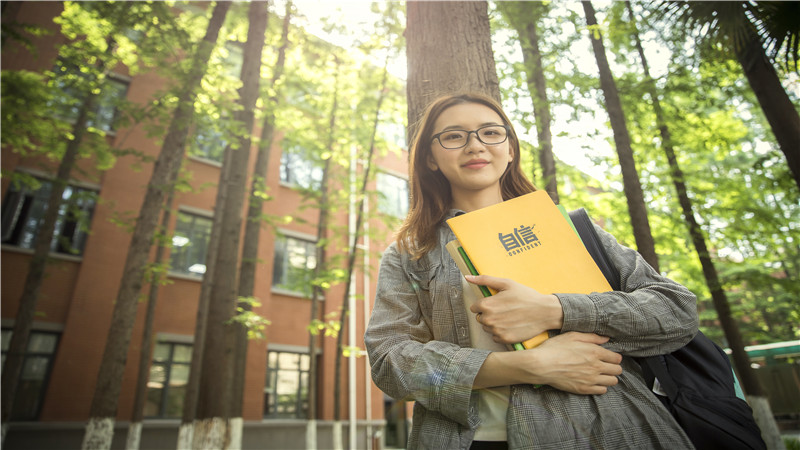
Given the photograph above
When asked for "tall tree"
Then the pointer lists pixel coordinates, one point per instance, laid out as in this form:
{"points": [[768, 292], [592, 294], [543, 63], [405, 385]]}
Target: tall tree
{"points": [[752, 386], [355, 235], [12, 368], [216, 381], [80, 78], [630, 177], [134, 439], [100, 429], [449, 49], [524, 17], [318, 291], [255, 219], [190, 399], [745, 27]]}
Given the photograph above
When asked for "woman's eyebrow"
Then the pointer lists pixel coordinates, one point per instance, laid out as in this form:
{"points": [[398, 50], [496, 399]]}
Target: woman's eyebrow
{"points": [[460, 127]]}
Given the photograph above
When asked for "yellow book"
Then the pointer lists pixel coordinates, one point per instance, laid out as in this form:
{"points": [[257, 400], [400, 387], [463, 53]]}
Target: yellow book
{"points": [[529, 240]]}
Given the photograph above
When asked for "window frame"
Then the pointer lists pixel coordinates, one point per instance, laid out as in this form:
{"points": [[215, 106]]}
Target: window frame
{"points": [[195, 213], [271, 384], [17, 212], [7, 331], [285, 235], [294, 161], [169, 364], [67, 105]]}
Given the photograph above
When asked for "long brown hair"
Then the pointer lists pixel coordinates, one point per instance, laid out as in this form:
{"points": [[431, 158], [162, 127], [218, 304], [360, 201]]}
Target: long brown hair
{"points": [[430, 190]]}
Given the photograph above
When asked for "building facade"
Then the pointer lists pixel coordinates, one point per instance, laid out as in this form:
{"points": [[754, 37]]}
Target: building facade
{"points": [[87, 257]]}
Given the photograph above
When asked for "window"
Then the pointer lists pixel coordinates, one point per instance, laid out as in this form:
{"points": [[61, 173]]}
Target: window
{"points": [[23, 212], [190, 244], [169, 375], [36, 366], [209, 141], [73, 86], [392, 195], [286, 388], [298, 170], [295, 260]]}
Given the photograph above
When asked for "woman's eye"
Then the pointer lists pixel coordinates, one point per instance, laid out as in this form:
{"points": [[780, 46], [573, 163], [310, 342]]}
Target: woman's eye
{"points": [[452, 136]]}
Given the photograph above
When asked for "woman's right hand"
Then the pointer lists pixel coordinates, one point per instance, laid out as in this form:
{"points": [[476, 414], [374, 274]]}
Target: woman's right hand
{"points": [[572, 362]]}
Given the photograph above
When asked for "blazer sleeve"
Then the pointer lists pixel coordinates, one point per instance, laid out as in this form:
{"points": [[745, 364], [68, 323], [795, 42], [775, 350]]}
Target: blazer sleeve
{"points": [[649, 315], [407, 361]]}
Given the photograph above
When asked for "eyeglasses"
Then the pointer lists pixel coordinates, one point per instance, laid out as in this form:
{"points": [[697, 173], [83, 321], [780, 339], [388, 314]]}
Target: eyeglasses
{"points": [[455, 139]]}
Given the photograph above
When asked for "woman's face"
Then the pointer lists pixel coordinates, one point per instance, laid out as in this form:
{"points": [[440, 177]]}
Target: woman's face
{"points": [[475, 169]]}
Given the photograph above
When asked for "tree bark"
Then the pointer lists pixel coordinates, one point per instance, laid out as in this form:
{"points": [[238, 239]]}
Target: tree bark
{"points": [[630, 177], [186, 429], [216, 380], [524, 17], [750, 382], [449, 49], [143, 374], [247, 272], [779, 110], [104, 403], [317, 292], [23, 322], [351, 256]]}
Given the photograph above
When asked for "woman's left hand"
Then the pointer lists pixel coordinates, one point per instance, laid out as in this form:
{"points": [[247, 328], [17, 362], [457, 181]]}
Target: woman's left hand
{"points": [[517, 312]]}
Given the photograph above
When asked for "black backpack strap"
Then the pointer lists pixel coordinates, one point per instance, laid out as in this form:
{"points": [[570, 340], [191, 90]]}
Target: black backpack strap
{"points": [[585, 227]]}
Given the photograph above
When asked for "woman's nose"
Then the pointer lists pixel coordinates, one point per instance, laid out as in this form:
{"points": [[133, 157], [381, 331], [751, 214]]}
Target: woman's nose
{"points": [[473, 145]]}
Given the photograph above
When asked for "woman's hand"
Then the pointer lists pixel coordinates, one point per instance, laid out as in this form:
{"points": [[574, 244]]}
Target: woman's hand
{"points": [[575, 362], [516, 313], [572, 362]]}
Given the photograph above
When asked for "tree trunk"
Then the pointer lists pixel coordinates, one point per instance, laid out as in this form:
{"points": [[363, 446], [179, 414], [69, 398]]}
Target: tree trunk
{"points": [[143, 375], [252, 230], [186, 429], [750, 382], [630, 176], [317, 292], [99, 431], [351, 257], [214, 403], [778, 108], [524, 17], [449, 49], [23, 323]]}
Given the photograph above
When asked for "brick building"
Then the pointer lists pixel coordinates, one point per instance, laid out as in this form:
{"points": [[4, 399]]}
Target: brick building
{"points": [[77, 296]]}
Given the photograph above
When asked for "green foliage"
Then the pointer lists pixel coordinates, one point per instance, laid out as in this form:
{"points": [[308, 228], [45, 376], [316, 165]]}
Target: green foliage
{"points": [[743, 193], [27, 118], [255, 324], [330, 327]]}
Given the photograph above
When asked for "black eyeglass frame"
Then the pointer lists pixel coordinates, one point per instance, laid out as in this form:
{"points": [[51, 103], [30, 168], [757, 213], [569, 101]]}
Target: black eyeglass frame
{"points": [[435, 137]]}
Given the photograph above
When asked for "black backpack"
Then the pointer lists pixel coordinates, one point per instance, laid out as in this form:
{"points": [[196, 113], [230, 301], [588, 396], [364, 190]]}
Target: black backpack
{"points": [[698, 378]]}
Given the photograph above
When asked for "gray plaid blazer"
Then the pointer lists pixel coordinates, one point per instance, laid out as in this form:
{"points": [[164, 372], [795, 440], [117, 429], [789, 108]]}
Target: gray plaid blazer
{"points": [[419, 350]]}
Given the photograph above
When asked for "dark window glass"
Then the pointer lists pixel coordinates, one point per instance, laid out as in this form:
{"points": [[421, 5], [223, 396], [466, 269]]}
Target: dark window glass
{"points": [[73, 85], [294, 263], [298, 170], [35, 375], [190, 244], [23, 212], [169, 375]]}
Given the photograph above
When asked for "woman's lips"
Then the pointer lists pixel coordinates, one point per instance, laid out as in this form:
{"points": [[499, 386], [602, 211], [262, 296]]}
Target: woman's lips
{"points": [[476, 164]]}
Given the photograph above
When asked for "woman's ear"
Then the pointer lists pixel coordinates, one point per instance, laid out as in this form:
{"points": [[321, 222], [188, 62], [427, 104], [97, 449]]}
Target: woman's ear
{"points": [[431, 163]]}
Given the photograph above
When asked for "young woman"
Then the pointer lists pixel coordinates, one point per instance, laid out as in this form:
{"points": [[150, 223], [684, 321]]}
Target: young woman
{"points": [[431, 342]]}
